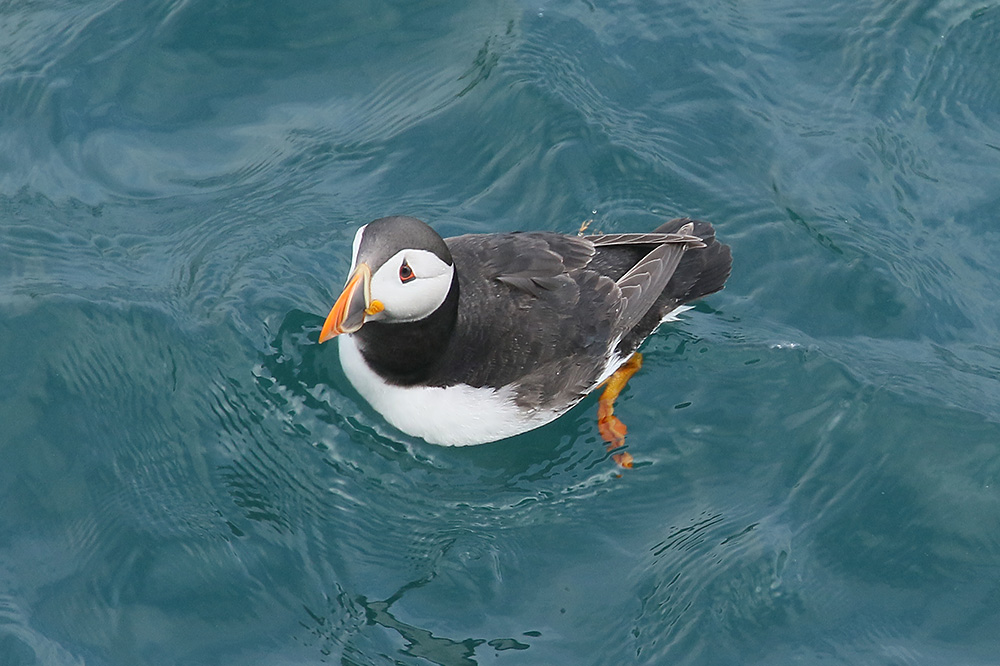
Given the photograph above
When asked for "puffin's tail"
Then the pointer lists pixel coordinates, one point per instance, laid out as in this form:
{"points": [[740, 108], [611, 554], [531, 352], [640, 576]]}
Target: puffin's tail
{"points": [[702, 271]]}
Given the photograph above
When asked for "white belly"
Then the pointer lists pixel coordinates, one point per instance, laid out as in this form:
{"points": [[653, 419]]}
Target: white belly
{"points": [[455, 415], [451, 416]]}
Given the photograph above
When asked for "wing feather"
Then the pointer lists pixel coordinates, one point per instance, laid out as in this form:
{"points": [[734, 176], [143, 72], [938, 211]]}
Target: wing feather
{"points": [[683, 236], [581, 307], [644, 282]]}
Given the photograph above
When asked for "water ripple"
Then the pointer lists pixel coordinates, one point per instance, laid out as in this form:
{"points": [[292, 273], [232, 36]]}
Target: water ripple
{"points": [[957, 82], [179, 185]]}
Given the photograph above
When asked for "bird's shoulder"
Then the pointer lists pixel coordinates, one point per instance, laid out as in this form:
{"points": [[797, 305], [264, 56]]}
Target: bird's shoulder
{"points": [[530, 313], [537, 263]]}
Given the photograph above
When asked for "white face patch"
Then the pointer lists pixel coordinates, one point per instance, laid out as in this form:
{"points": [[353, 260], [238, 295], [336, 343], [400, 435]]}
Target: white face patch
{"points": [[413, 298]]}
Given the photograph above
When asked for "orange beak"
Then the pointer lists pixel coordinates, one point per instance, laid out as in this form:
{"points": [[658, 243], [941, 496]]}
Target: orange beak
{"points": [[348, 313]]}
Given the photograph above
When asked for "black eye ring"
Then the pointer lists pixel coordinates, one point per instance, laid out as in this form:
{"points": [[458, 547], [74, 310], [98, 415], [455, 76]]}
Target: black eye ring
{"points": [[405, 272]]}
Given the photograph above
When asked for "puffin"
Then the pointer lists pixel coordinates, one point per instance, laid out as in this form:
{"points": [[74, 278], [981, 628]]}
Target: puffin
{"points": [[476, 338]]}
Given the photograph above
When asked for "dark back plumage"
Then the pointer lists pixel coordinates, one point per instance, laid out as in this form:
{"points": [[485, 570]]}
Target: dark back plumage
{"points": [[544, 312]]}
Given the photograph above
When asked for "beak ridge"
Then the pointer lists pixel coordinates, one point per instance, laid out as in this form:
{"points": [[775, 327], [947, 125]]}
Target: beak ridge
{"points": [[348, 313]]}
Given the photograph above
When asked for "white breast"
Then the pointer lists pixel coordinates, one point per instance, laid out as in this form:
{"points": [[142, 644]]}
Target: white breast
{"points": [[450, 416]]}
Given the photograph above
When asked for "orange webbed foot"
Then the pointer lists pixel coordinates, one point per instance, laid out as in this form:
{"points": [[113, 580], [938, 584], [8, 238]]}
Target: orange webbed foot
{"points": [[610, 426]]}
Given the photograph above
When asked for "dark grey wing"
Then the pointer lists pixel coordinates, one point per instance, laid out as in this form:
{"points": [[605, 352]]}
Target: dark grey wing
{"points": [[701, 271], [526, 254], [567, 376], [644, 282], [537, 263], [531, 315], [684, 235], [541, 312]]}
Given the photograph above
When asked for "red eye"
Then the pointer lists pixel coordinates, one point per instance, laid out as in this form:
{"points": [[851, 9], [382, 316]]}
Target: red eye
{"points": [[405, 272]]}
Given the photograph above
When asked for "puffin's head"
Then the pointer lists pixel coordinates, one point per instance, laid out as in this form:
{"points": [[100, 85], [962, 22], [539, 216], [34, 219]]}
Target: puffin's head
{"points": [[401, 271]]}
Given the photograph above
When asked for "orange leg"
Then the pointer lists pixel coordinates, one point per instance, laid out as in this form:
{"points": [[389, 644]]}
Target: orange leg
{"points": [[610, 426]]}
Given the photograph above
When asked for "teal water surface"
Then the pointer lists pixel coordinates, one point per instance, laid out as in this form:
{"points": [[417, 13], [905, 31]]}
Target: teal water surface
{"points": [[187, 478]]}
